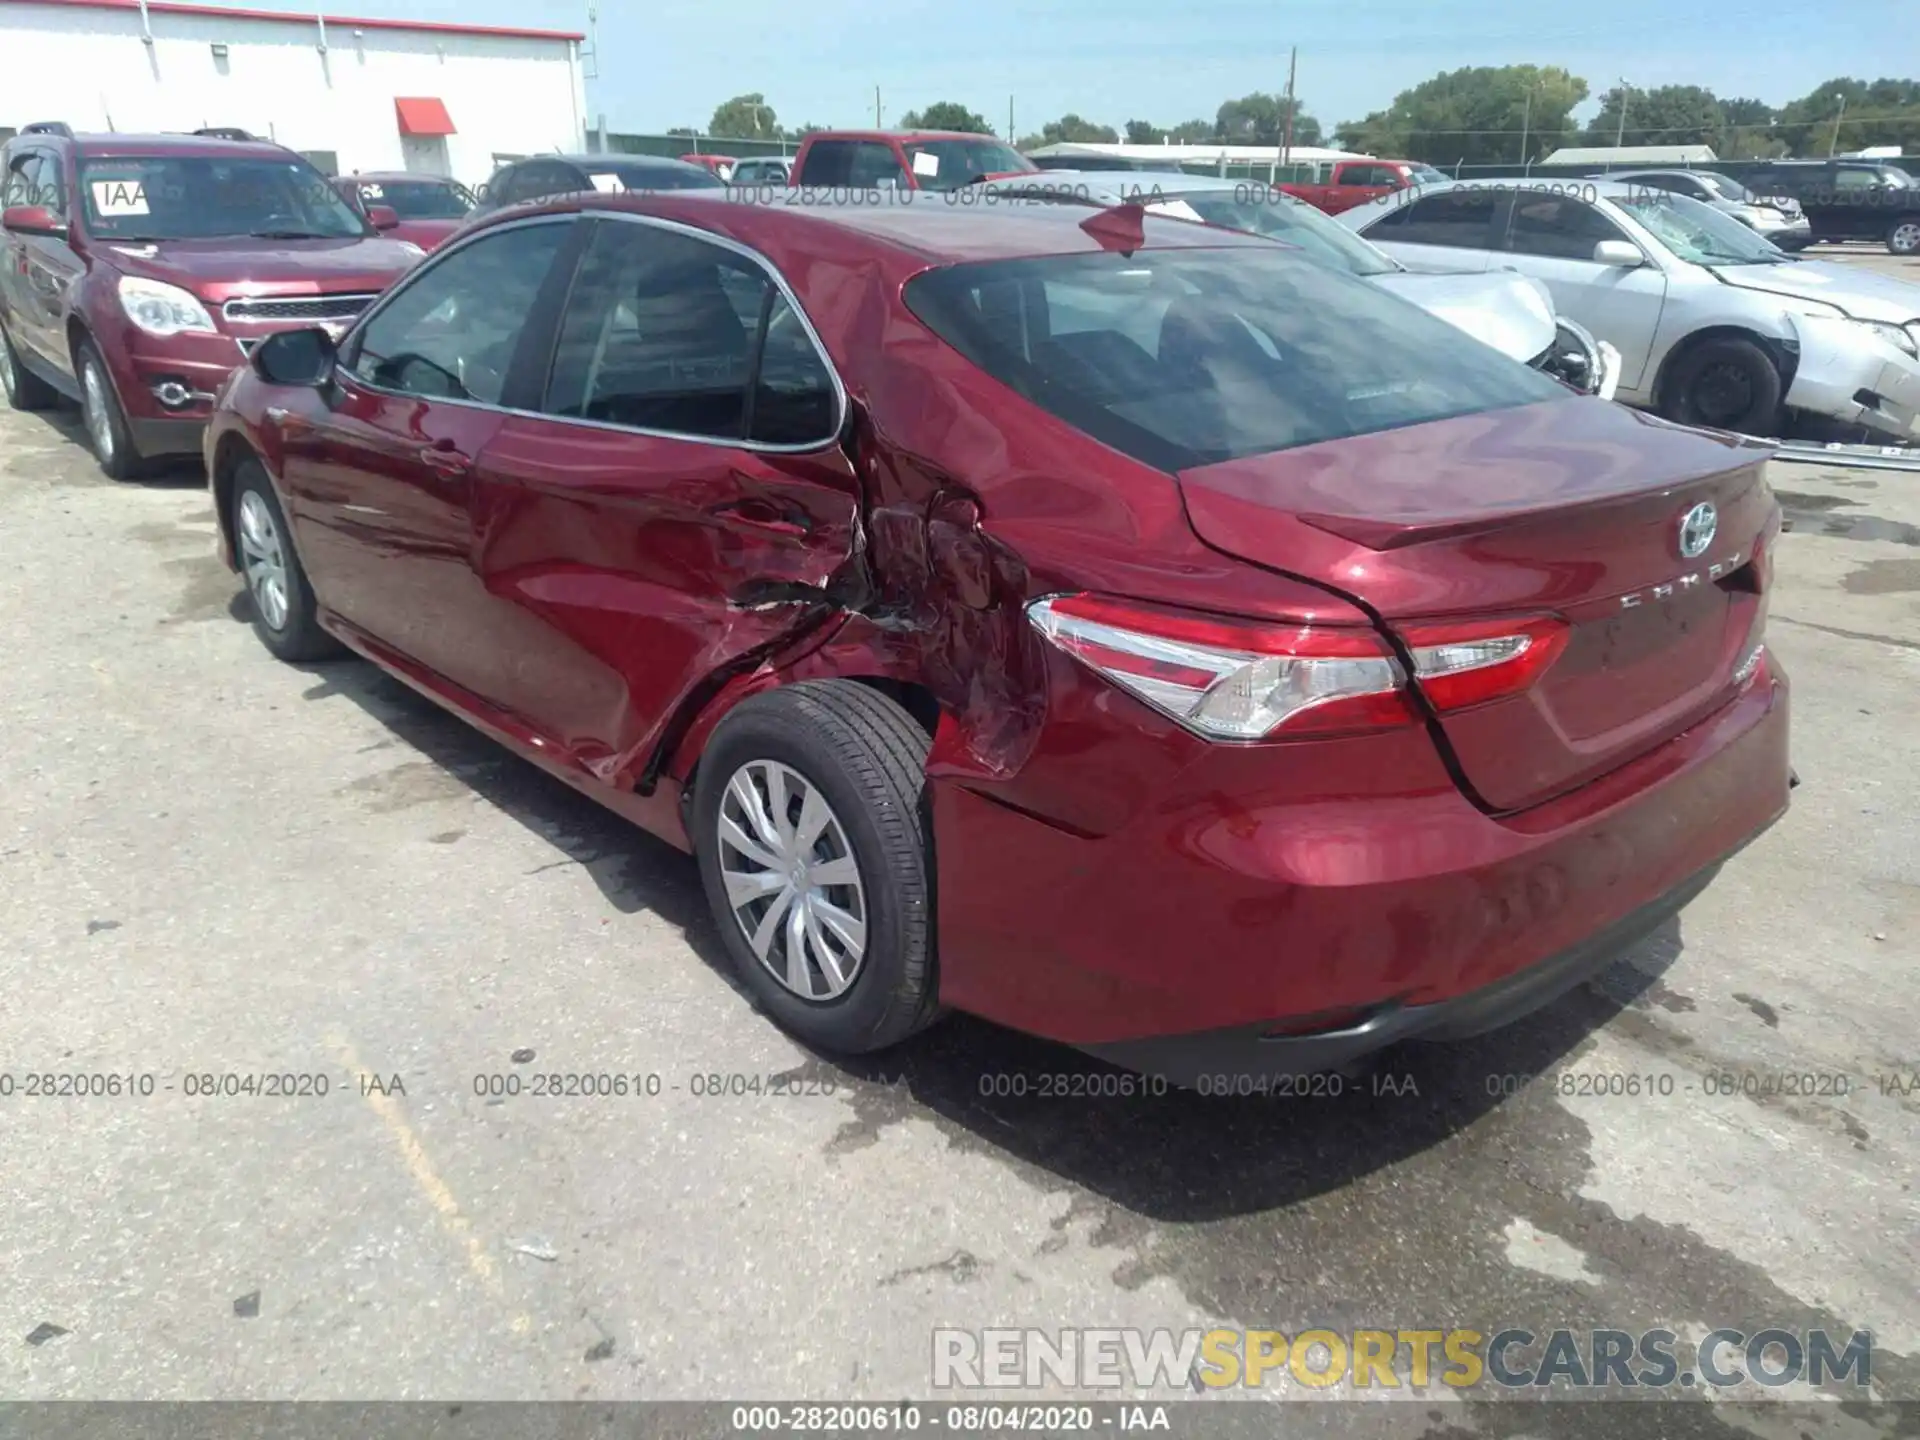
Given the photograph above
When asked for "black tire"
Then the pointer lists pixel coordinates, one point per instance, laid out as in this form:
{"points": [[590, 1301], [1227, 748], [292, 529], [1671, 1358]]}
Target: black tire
{"points": [[867, 757], [107, 435], [298, 637], [1903, 236], [24, 389], [1726, 383]]}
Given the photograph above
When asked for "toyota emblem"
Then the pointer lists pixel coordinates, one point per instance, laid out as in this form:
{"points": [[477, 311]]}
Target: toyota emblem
{"points": [[1697, 529]]}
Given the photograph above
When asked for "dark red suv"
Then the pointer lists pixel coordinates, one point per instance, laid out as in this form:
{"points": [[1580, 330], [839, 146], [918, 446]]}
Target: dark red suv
{"points": [[138, 270], [1128, 630]]}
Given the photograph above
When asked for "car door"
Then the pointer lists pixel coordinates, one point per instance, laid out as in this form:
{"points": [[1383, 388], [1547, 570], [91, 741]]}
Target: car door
{"points": [[377, 471], [45, 267], [1452, 231], [675, 509], [1552, 238]]}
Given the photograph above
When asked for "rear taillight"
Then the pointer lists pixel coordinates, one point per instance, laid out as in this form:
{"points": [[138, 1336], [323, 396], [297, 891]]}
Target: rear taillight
{"points": [[1233, 679], [1462, 663]]}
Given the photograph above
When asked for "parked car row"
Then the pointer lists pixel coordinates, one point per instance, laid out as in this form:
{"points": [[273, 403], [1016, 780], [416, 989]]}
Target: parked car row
{"points": [[930, 573], [1714, 324]]}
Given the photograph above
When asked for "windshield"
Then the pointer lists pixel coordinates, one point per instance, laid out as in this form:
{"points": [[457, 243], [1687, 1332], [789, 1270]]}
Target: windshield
{"points": [[193, 197], [1725, 187], [1897, 176], [1425, 175], [1696, 232], [949, 164], [418, 199], [1275, 214], [1187, 357]]}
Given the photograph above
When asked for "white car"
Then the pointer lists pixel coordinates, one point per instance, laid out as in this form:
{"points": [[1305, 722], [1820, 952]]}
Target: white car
{"points": [[1512, 314], [1714, 325]]}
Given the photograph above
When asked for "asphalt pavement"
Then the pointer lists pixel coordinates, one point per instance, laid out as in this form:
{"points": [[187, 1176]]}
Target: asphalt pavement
{"points": [[215, 865]]}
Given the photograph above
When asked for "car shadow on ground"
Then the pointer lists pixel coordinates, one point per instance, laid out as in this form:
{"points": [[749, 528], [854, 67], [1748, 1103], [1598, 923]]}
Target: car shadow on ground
{"points": [[1163, 1154], [172, 472]]}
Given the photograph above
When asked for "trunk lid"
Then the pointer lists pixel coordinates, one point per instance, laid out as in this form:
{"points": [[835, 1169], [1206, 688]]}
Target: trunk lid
{"points": [[1569, 508]]}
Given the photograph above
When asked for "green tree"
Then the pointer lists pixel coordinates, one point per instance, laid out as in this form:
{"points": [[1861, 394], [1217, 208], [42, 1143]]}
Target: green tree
{"points": [[946, 115], [1191, 132], [1142, 132], [1664, 115], [1072, 130], [1847, 114], [1746, 131], [1259, 119], [744, 117], [683, 130], [1480, 115], [801, 132]]}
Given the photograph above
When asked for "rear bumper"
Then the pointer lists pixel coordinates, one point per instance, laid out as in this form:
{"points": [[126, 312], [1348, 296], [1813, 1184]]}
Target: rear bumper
{"points": [[1258, 886], [1223, 1061]]}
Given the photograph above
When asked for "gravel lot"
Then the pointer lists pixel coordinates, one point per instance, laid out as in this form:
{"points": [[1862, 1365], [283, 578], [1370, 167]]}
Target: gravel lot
{"points": [[213, 863]]}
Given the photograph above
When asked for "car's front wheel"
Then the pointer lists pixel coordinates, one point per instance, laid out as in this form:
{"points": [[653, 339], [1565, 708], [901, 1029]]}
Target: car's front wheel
{"points": [[811, 825], [1904, 237], [1727, 383], [24, 389], [284, 612], [107, 430]]}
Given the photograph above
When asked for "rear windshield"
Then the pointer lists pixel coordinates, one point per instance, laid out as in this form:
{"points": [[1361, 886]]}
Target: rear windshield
{"points": [[182, 197], [1276, 214], [1187, 357], [949, 164], [418, 199]]}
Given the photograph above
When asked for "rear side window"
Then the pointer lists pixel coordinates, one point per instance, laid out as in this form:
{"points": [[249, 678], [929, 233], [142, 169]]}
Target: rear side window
{"points": [[665, 332], [1455, 219], [1188, 357]]}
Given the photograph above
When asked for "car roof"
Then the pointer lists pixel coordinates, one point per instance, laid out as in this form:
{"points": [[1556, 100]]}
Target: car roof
{"points": [[394, 177], [118, 146], [904, 136], [786, 226], [613, 161]]}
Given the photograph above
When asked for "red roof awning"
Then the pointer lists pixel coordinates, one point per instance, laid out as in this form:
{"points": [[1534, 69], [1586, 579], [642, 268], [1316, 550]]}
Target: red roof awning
{"points": [[423, 115]]}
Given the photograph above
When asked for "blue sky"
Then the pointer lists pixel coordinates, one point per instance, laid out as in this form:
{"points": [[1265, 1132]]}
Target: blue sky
{"points": [[669, 62]]}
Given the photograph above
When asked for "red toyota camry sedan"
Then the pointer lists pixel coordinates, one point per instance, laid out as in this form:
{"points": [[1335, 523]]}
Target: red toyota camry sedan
{"points": [[1125, 630]]}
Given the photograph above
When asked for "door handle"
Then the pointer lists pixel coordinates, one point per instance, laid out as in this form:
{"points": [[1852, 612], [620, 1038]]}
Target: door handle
{"points": [[445, 461], [762, 515]]}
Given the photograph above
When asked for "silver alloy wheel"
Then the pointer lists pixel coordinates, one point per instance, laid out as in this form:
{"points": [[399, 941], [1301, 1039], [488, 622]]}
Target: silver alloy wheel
{"points": [[263, 559], [1905, 239], [792, 881], [99, 416], [8, 381]]}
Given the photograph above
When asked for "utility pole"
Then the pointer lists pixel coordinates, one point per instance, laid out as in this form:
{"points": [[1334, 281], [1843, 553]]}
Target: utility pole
{"points": [[1620, 135], [1526, 124], [1010, 119], [1286, 128], [1834, 144], [876, 108]]}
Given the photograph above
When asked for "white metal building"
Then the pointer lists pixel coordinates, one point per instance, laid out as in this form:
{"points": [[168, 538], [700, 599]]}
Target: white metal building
{"points": [[1172, 156], [1633, 155], [351, 94]]}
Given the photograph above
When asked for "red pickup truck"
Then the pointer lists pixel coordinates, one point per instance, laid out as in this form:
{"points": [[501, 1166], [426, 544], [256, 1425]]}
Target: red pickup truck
{"points": [[1354, 182], [905, 160]]}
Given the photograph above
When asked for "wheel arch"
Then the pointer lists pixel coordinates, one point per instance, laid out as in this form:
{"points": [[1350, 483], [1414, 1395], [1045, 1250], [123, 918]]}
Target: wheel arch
{"points": [[1784, 354], [231, 452]]}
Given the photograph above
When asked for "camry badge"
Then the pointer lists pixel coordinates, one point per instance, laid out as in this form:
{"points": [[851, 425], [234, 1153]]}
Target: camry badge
{"points": [[1697, 529]]}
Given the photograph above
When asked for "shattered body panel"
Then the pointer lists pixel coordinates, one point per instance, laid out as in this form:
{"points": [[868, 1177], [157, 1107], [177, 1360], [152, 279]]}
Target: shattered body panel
{"points": [[1842, 366]]}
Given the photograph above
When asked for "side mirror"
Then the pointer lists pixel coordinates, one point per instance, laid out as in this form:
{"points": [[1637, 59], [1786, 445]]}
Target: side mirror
{"points": [[31, 220], [295, 357], [1623, 253], [383, 217]]}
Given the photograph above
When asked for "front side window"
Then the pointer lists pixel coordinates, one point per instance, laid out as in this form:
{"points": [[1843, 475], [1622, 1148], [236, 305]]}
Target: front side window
{"points": [[450, 332], [1560, 227], [199, 197], [662, 331], [1181, 358], [1455, 219], [874, 166]]}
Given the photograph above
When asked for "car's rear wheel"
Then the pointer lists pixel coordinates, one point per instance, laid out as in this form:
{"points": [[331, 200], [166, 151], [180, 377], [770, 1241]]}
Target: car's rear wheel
{"points": [[107, 430], [811, 826], [284, 611], [24, 389], [1726, 383], [1904, 237]]}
